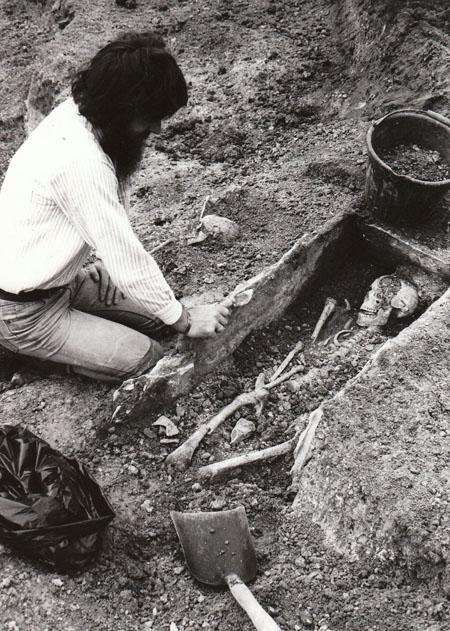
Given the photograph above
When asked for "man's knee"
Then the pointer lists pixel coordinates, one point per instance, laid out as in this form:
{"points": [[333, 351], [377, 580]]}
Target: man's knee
{"points": [[150, 359]]}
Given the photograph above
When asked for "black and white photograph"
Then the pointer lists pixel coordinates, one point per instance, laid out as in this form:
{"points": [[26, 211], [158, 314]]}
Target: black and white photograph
{"points": [[225, 315]]}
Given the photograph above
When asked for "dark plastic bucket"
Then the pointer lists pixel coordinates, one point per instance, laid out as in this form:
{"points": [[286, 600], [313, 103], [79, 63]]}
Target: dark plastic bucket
{"points": [[399, 198]]}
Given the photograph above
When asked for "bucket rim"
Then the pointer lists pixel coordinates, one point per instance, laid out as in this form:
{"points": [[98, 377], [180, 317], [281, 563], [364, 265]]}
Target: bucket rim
{"points": [[373, 154]]}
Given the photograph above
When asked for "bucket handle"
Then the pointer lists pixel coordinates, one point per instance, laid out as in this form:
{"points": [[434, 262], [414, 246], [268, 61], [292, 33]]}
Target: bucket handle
{"points": [[439, 117]]}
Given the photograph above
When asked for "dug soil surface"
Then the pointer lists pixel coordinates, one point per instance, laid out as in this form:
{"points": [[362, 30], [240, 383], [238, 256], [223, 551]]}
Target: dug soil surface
{"points": [[281, 95]]}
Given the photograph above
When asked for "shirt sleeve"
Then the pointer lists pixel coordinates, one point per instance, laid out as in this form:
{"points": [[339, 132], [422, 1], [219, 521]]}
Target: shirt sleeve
{"points": [[87, 193]]}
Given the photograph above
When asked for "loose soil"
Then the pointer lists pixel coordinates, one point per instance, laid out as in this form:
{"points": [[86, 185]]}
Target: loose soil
{"points": [[417, 162], [274, 133]]}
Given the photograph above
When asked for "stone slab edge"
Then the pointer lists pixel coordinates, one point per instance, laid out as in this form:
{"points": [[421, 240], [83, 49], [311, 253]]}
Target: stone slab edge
{"points": [[273, 290], [378, 482]]}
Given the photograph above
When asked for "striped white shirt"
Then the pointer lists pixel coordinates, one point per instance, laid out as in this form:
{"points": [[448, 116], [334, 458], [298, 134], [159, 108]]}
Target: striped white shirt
{"points": [[59, 199]]}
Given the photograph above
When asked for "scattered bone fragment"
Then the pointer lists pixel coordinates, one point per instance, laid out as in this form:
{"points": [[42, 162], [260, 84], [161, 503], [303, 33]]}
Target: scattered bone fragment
{"points": [[329, 308], [242, 430], [218, 468], [169, 427]]}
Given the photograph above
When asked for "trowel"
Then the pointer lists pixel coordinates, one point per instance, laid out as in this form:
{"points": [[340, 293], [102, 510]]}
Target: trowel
{"points": [[219, 551]]}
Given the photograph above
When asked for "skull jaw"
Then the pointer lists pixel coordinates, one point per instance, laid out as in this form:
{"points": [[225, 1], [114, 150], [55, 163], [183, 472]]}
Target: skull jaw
{"points": [[372, 318]]}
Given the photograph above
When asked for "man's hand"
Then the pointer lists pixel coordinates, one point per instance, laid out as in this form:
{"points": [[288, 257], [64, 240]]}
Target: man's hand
{"points": [[108, 293], [204, 320]]}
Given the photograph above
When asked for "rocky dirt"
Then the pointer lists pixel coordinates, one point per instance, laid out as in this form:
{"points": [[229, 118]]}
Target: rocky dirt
{"points": [[281, 96], [417, 162]]}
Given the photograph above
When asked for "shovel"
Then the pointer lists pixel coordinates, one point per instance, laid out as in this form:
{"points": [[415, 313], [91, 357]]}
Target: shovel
{"points": [[219, 551]]}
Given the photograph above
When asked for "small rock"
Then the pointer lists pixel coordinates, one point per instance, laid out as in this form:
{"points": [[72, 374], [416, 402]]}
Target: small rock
{"points": [[17, 380], [126, 594], [178, 570], [197, 487], [306, 619], [242, 430], [147, 506], [132, 470], [57, 582], [300, 562], [216, 225], [218, 504], [180, 411], [168, 426], [5, 583]]}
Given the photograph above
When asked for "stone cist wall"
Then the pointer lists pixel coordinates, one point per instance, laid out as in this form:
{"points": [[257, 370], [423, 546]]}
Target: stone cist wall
{"points": [[378, 480]]}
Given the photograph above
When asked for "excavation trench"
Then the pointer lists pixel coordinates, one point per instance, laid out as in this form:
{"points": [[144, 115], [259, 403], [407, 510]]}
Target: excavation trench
{"points": [[281, 305]]}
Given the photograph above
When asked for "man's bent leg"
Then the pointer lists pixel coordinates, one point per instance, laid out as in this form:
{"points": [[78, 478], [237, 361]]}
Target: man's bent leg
{"points": [[50, 330], [110, 350]]}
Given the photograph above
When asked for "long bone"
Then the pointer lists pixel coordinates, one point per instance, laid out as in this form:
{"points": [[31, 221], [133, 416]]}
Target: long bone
{"points": [[303, 448], [224, 466], [328, 309], [300, 445], [297, 348], [182, 456]]}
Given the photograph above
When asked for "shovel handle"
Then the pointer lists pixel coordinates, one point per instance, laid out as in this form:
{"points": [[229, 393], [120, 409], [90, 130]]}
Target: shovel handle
{"points": [[245, 598]]}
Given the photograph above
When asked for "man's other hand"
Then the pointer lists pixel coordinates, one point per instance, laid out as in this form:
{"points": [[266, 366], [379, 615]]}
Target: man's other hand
{"points": [[108, 293]]}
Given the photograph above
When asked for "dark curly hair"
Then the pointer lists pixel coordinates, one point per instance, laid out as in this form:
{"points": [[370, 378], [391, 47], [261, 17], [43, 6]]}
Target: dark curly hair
{"points": [[134, 75]]}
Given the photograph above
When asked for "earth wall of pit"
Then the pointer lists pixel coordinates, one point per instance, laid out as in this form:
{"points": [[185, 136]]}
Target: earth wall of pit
{"points": [[378, 480], [398, 52]]}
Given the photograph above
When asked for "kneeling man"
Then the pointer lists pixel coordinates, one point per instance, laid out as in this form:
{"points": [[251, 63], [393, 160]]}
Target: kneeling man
{"points": [[64, 194]]}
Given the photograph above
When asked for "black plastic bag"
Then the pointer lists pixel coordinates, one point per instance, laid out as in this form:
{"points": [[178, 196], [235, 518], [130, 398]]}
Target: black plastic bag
{"points": [[51, 508]]}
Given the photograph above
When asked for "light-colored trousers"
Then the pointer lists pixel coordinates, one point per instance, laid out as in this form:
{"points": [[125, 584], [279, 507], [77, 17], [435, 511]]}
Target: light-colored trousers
{"points": [[74, 328]]}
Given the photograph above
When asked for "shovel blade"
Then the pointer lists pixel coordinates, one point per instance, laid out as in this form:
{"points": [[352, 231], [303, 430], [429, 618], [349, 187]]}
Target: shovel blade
{"points": [[216, 544]]}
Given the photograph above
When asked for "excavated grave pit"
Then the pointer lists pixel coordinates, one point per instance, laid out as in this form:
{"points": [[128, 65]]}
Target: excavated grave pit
{"points": [[341, 261]]}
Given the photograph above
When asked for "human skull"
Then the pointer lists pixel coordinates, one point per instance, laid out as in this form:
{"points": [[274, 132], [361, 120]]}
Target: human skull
{"points": [[387, 294]]}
